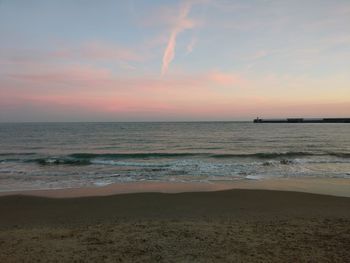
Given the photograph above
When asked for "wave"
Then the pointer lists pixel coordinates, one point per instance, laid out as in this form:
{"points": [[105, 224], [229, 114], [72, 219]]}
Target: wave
{"points": [[341, 155], [16, 154], [131, 155], [116, 158], [57, 161], [177, 155], [270, 155], [135, 164], [106, 158]]}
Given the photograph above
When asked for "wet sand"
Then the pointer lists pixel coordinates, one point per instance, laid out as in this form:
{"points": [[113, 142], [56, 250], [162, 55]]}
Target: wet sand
{"points": [[327, 186], [237, 225]]}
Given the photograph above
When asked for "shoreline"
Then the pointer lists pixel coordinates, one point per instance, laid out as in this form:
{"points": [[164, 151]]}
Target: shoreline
{"points": [[327, 186]]}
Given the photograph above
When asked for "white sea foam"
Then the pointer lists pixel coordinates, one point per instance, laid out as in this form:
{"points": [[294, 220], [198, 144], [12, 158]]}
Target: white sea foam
{"points": [[123, 163], [102, 183], [254, 177]]}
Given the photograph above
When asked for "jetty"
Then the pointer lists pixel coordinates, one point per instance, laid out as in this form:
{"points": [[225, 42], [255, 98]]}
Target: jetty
{"points": [[303, 120]]}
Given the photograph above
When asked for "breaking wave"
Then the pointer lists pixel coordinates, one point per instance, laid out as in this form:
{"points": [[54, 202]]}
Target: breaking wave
{"points": [[116, 158]]}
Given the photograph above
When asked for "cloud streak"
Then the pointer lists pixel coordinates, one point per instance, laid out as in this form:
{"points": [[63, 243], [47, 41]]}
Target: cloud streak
{"points": [[191, 45], [181, 24]]}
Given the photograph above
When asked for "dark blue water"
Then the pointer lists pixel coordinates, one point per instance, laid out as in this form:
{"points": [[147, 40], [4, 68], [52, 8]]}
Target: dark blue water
{"points": [[60, 155]]}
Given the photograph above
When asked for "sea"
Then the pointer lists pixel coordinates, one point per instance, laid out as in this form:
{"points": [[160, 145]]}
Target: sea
{"points": [[66, 155]]}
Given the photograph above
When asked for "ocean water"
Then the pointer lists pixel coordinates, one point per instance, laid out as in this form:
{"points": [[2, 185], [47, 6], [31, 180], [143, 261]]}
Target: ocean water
{"points": [[63, 155]]}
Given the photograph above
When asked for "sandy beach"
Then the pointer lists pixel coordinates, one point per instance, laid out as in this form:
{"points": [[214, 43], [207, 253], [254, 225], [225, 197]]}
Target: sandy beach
{"points": [[238, 225], [175, 131]]}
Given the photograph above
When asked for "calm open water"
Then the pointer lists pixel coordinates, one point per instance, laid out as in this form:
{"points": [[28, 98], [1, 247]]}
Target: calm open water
{"points": [[61, 155]]}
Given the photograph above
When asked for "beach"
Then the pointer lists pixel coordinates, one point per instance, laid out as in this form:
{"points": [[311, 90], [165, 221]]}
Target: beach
{"points": [[174, 192], [239, 225], [175, 131]]}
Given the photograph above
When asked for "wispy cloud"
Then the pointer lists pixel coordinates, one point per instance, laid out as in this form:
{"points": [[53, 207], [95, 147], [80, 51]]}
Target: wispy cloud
{"points": [[182, 23], [191, 45]]}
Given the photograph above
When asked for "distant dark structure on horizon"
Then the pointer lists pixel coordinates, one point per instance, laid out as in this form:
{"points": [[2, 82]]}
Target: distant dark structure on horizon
{"points": [[302, 120]]}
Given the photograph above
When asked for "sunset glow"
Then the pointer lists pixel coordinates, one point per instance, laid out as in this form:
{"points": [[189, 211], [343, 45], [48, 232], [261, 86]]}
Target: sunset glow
{"points": [[173, 60]]}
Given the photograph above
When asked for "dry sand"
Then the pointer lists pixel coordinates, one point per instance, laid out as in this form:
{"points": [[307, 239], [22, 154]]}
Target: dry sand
{"points": [[224, 226]]}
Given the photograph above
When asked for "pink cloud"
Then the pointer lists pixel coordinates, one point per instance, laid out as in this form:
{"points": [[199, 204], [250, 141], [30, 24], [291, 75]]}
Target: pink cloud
{"points": [[182, 23], [152, 98], [77, 74], [225, 79], [102, 80], [87, 89]]}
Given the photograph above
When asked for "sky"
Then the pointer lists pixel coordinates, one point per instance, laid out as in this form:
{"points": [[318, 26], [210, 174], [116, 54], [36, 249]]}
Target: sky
{"points": [[162, 60]]}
